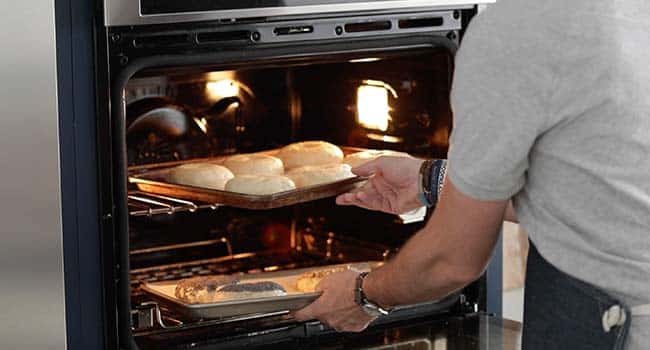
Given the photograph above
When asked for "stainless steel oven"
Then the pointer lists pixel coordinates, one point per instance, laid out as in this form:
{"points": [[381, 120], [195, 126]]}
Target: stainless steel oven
{"points": [[179, 82]]}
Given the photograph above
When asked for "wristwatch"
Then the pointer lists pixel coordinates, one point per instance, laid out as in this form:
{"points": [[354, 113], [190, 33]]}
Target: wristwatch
{"points": [[431, 178], [369, 307]]}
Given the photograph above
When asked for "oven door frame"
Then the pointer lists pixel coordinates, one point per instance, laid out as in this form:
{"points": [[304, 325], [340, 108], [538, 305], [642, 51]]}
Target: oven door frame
{"points": [[113, 147]]}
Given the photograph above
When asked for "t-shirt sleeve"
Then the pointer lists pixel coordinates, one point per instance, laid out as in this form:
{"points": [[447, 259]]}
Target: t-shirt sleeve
{"points": [[498, 100]]}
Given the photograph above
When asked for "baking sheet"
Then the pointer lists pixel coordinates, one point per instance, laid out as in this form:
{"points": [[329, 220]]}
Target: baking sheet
{"points": [[153, 180], [164, 293]]}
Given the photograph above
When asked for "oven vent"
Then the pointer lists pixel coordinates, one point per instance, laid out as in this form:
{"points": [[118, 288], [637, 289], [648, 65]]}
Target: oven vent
{"points": [[220, 37], [293, 30], [420, 22], [160, 40], [367, 26]]}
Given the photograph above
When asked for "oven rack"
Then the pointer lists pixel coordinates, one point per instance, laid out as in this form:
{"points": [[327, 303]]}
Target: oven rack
{"points": [[149, 204]]}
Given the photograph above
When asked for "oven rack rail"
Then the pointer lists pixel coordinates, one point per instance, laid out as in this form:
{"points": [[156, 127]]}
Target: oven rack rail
{"points": [[149, 204]]}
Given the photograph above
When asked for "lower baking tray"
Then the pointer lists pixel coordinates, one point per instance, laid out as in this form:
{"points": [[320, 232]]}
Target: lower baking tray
{"points": [[164, 293], [152, 179]]}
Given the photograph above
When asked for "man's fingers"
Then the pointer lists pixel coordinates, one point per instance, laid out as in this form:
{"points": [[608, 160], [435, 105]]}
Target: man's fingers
{"points": [[346, 199], [365, 197], [306, 313], [372, 167], [352, 327], [349, 198]]}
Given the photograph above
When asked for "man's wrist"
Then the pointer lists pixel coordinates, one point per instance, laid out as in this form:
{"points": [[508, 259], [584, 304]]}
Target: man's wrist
{"points": [[373, 290]]}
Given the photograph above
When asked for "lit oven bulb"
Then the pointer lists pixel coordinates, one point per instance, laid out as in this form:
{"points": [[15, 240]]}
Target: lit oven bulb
{"points": [[373, 110], [219, 89]]}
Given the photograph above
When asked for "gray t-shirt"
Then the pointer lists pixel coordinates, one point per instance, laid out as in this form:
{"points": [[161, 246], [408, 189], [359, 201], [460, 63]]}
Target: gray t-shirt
{"points": [[551, 105]]}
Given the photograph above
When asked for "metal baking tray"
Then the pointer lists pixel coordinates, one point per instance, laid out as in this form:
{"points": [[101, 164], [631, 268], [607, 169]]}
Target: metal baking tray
{"points": [[164, 293], [152, 179], [154, 182]]}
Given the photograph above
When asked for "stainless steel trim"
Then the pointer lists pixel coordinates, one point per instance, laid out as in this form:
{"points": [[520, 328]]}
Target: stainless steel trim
{"points": [[326, 28], [127, 12], [32, 299]]}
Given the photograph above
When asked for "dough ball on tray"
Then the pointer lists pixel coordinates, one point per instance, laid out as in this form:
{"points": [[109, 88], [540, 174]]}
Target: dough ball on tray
{"points": [[313, 175], [309, 153], [260, 184], [360, 158], [254, 164], [206, 175]]}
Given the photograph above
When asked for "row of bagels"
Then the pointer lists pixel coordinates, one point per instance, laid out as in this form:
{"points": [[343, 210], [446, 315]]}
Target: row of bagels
{"points": [[294, 166]]}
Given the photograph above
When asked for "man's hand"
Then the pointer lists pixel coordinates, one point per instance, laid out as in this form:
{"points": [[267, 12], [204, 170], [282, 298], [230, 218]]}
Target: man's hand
{"points": [[336, 306], [393, 187]]}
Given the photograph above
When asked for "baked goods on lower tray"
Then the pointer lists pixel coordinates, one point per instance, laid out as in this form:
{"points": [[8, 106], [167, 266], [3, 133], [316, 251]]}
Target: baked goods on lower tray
{"points": [[245, 294], [249, 291], [212, 289], [308, 281], [202, 289]]}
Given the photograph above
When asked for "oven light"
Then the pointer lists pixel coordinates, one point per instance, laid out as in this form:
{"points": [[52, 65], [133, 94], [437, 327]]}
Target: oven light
{"points": [[202, 124], [365, 60], [219, 89], [385, 138], [373, 110]]}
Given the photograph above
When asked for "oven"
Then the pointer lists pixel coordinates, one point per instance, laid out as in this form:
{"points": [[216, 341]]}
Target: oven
{"points": [[196, 81]]}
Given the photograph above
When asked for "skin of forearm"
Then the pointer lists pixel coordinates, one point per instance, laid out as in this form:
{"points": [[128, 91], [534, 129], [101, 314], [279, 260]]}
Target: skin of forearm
{"points": [[450, 252]]}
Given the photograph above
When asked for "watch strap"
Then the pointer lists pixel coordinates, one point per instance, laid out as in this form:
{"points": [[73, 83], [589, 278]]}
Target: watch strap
{"points": [[370, 307], [431, 179], [424, 183]]}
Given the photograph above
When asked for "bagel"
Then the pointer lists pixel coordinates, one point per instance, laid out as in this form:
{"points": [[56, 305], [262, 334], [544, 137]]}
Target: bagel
{"points": [[260, 184], [254, 164], [360, 158], [312, 175], [205, 175], [310, 153]]}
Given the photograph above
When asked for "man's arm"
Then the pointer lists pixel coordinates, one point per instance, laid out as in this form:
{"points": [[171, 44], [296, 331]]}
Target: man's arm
{"points": [[450, 252]]}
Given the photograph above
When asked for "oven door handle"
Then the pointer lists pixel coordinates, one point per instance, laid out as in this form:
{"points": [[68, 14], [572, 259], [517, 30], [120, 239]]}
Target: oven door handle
{"points": [[310, 329]]}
